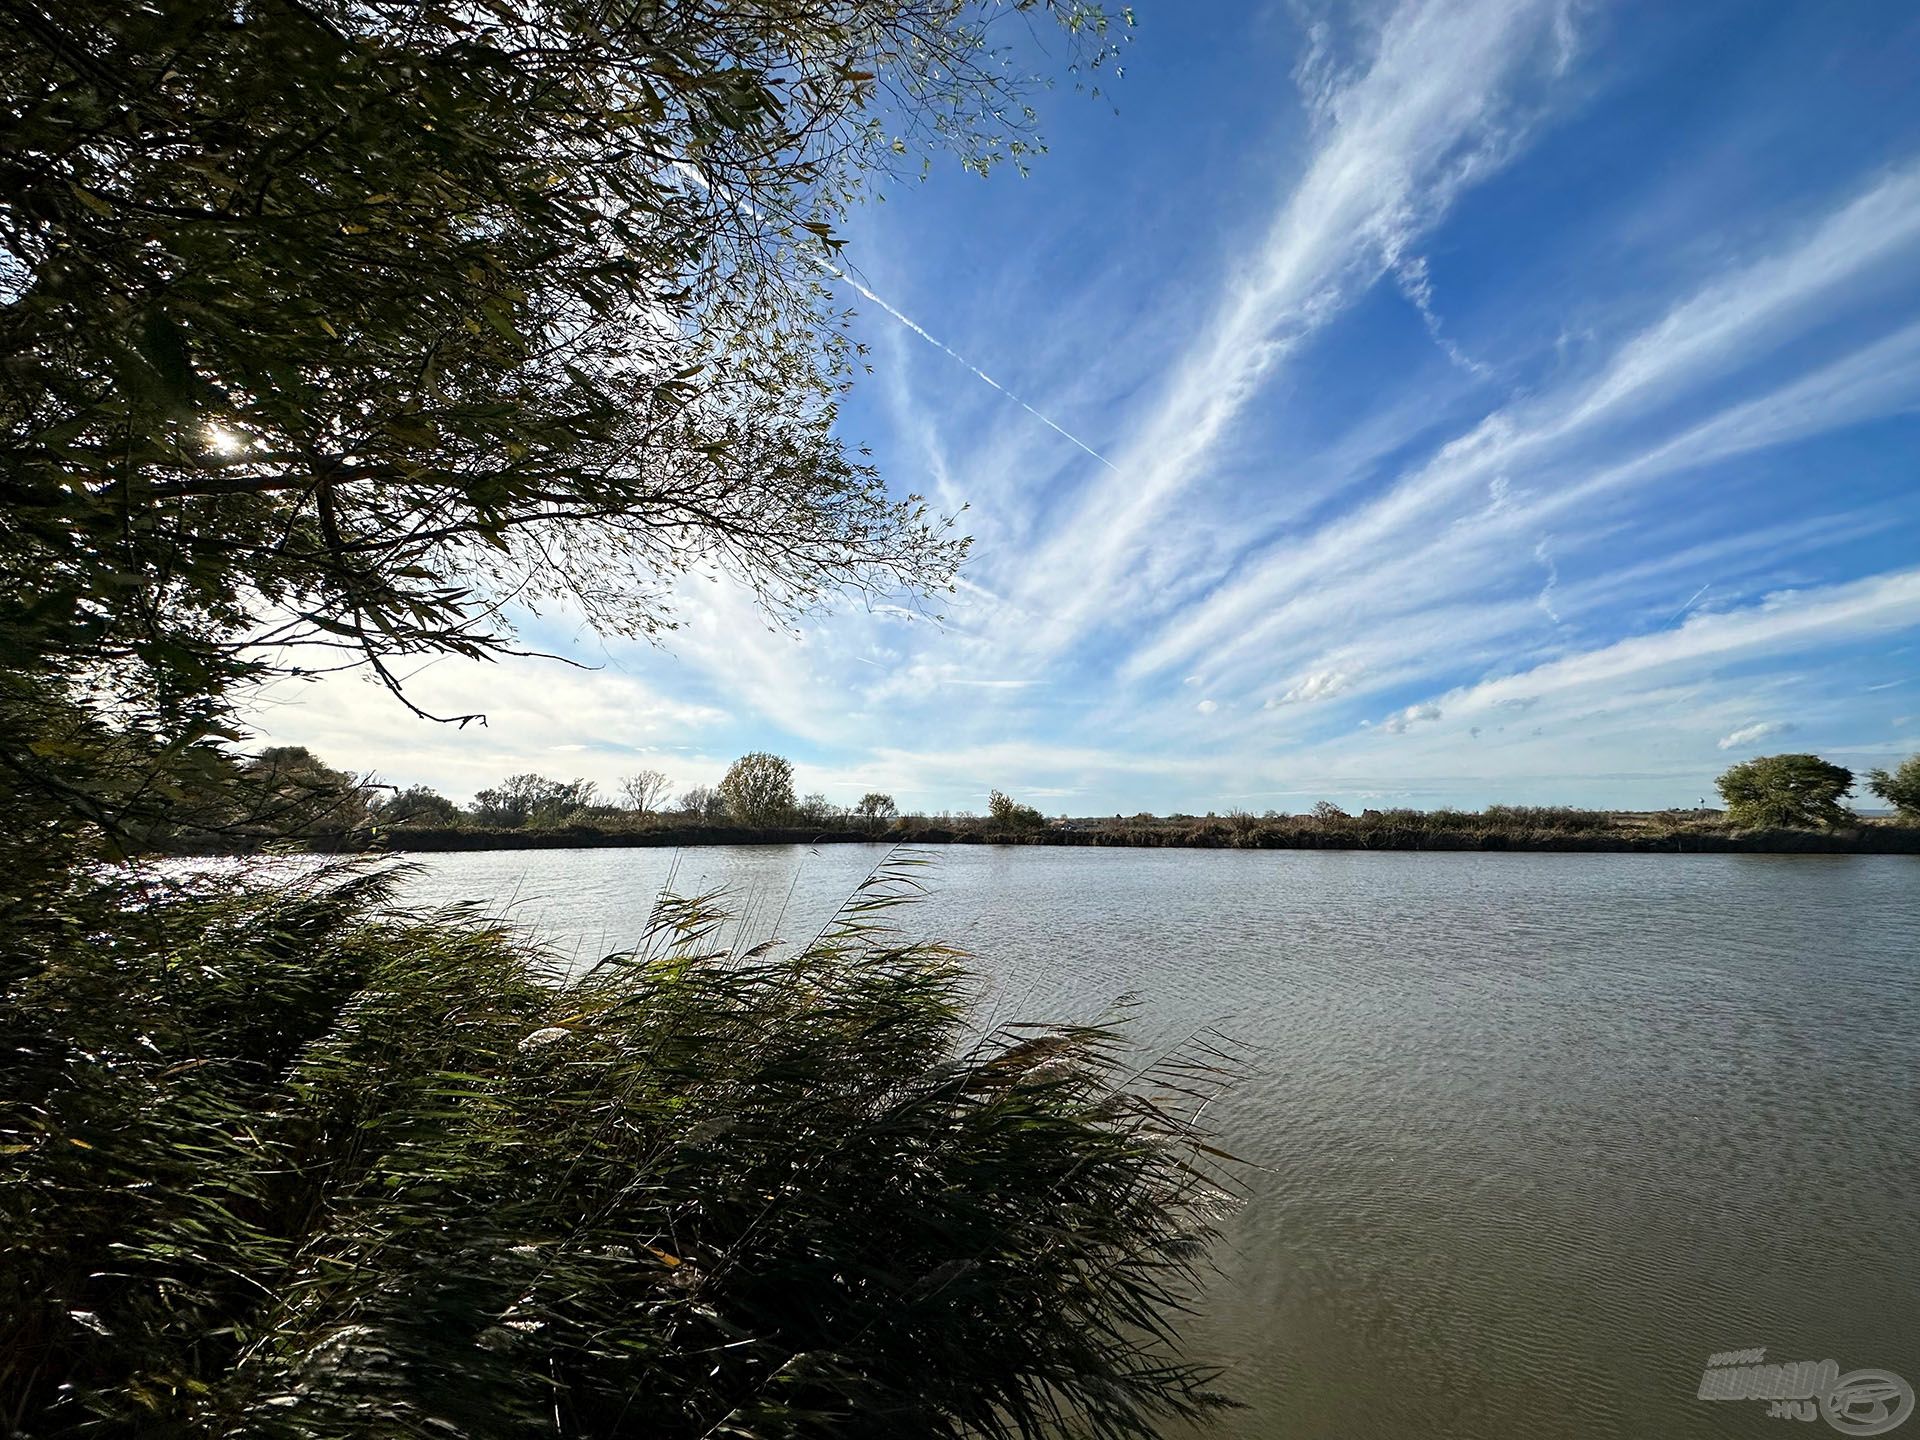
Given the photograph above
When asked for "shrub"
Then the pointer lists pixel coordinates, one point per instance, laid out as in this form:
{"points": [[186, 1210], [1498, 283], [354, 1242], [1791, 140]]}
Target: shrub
{"points": [[875, 806], [1006, 813], [1786, 790], [311, 793], [292, 1165], [531, 800], [1547, 817], [417, 805], [816, 809], [1399, 817], [1901, 788], [758, 789]]}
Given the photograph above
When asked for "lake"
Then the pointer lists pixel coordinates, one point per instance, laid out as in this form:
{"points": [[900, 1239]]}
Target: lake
{"points": [[1533, 1135]]}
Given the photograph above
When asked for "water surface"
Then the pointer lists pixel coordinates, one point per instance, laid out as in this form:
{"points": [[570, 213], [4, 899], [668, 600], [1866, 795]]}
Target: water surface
{"points": [[1534, 1134]]}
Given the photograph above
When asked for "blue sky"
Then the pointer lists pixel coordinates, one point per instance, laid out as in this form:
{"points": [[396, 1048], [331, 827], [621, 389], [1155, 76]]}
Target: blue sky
{"points": [[1493, 401]]}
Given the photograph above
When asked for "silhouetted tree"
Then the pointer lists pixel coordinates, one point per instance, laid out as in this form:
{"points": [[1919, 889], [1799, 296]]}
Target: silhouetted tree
{"points": [[288, 790], [417, 805]]}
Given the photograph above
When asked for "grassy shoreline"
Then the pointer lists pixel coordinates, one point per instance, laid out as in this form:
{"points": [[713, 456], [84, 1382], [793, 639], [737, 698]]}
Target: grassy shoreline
{"points": [[1574, 831]]}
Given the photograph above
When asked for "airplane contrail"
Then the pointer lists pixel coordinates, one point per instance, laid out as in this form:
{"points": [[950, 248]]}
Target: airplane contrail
{"points": [[942, 345], [837, 273], [1689, 605]]}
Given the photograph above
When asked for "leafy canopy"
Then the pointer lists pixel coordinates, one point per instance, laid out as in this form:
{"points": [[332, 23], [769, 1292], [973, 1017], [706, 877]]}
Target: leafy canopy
{"points": [[1010, 814], [531, 800], [329, 330], [416, 805], [1786, 790], [346, 325], [758, 789], [1900, 788]]}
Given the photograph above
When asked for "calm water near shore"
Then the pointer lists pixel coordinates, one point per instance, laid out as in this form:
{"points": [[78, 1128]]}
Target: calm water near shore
{"points": [[1536, 1134]]}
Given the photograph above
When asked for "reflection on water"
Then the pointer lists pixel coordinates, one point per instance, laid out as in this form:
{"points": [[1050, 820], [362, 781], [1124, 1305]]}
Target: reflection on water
{"points": [[1537, 1134]]}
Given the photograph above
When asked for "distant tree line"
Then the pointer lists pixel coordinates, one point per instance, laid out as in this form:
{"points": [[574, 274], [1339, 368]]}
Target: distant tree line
{"points": [[757, 792], [289, 792], [286, 792]]}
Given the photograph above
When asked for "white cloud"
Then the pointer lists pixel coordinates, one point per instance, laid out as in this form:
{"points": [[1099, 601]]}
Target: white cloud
{"points": [[1432, 112], [1728, 323], [541, 714], [1751, 734], [1399, 722], [1783, 623], [1316, 685], [1432, 521], [1522, 565], [924, 679]]}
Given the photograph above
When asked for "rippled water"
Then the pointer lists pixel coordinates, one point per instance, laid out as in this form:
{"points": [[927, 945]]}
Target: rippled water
{"points": [[1536, 1133]]}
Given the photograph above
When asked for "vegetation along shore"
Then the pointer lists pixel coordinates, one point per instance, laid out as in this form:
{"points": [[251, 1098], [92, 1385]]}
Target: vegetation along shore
{"points": [[340, 336], [1784, 804]]}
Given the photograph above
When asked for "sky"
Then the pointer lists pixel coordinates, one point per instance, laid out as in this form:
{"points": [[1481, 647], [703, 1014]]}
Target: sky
{"points": [[1434, 403]]}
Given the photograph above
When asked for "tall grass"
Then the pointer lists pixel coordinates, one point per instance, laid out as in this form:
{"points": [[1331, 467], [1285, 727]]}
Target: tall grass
{"points": [[294, 1163]]}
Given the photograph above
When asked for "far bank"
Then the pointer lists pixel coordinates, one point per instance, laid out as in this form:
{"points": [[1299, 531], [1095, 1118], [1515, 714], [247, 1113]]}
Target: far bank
{"points": [[1579, 832]]}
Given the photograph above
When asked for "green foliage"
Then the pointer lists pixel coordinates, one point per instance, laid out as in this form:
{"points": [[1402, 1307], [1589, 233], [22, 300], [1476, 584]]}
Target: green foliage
{"points": [[1006, 813], [204, 797], [816, 809], [1900, 788], [293, 794], [75, 787], [758, 789], [334, 328], [1546, 817], [875, 807], [531, 800], [1786, 790], [331, 330], [283, 1163], [417, 805]]}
